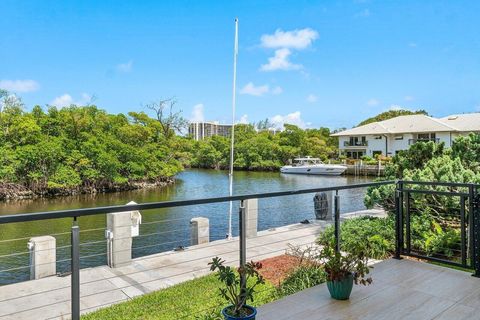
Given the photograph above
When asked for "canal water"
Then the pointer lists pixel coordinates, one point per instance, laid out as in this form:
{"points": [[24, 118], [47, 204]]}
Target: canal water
{"points": [[163, 229]]}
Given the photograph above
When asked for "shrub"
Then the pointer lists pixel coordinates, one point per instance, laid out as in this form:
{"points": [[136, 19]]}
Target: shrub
{"points": [[233, 291], [429, 237], [301, 278], [378, 233], [338, 266]]}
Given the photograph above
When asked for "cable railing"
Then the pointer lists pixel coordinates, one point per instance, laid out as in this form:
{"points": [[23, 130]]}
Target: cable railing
{"points": [[164, 253], [454, 234]]}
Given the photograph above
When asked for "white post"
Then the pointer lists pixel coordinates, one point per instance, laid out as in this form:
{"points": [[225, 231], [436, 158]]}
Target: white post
{"points": [[43, 257], [232, 131], [199, 230], [330, 206], [121, 226], [251, 216]]}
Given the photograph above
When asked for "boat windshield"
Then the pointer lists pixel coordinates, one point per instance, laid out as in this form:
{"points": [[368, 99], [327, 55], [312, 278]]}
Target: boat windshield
{"points": [[306, 161]]}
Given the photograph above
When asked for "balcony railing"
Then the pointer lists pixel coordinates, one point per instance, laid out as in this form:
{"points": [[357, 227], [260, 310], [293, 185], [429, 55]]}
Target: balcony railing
{"points": [[407, 203], [413, 141], [355, 144]]}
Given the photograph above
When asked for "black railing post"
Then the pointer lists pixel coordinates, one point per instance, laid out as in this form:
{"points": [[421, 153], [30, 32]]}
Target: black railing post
{"points": [[408, 239], [398, 220], [242, 224], [75, 269], [463, 236], [337, 221], [475, 228]]}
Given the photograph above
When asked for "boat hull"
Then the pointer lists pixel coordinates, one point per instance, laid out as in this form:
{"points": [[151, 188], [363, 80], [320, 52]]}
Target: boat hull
{"points": [[330, 170]]}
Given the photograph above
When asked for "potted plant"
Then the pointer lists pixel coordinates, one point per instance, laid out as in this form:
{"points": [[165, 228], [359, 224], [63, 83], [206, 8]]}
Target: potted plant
{"points": [[233, 292], [343, 270]]}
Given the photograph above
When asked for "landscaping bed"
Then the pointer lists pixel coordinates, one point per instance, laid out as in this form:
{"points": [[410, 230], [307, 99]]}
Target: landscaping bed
{"points": [[199, 298]]}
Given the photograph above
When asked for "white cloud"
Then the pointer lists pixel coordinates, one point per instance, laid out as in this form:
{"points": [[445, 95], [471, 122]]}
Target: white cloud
{"points": [[412, 44], [292, 118], [373, 102], [277, 90], [243, 119], [312, 98], [197, 113], [363, 14], [283, 41], [296, 39], [396, 107], [125, 67], [280, 62], [258, 91], [66, 100], [62, 101], [409, 98], [19, 85], [253, 90]]}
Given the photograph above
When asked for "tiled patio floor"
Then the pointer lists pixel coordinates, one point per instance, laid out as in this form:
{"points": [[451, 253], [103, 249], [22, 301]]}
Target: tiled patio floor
{"points": [[402, 289]]}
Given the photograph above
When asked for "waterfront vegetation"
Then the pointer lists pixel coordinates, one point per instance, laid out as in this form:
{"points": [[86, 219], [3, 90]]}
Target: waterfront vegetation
{"points": [[61, 151], [263, 150], [81, 149]]}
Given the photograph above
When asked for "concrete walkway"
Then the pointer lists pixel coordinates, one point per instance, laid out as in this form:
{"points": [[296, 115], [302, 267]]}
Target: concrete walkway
{"points": [[49, 298], [401, 289]]}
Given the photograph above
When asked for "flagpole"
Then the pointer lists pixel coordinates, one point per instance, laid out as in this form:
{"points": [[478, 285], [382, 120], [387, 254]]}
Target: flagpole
{"points": [[232, 133]]}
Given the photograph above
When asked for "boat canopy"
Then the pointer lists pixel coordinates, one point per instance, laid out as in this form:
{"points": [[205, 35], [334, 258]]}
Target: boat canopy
{"points": [[306, 161]]}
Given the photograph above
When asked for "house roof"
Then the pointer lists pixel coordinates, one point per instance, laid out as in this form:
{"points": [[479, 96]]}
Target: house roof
{"points": [[403, 124], [463, 122]]}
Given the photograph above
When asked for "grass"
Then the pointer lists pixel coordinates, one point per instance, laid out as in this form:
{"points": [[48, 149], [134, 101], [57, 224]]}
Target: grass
{"points": [[186, 300]]}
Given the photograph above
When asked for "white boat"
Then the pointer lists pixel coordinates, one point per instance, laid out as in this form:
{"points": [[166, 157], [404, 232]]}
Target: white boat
{"points": [[310, 165]]}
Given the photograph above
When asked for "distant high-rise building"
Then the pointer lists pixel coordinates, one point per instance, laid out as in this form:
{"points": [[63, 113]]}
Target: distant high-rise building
{"points": [[202, 130]]}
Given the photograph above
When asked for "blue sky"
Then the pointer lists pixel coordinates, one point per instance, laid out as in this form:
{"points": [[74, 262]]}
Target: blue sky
{"points": [[314, 63]]}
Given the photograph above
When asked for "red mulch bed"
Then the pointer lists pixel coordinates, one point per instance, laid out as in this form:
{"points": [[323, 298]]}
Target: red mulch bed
{"points": [[276, 269]]}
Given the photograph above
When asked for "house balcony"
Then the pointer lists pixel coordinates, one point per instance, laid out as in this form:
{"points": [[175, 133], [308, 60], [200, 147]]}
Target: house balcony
{"points": [[413, 141], [360, 144]]}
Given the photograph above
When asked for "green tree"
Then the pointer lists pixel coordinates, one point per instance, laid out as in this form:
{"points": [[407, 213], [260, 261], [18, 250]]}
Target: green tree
{"points": [[391, 114]]}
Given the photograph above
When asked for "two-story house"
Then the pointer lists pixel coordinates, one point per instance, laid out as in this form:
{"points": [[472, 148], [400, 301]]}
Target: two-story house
{"points": [[390, 136]]}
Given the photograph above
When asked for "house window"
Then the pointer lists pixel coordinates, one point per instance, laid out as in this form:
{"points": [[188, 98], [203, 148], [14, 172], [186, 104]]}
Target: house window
{"points": [[376, 153], [423, 136], [354, 154], [358, 141], [399, 137], [378, 137], [427, 136]]}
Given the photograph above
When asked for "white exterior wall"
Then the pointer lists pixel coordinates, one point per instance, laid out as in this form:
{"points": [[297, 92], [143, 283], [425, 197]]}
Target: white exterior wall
{"points": [[341, 142], [375, 145], [393, 145], [397, 145], [444, 137]]}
